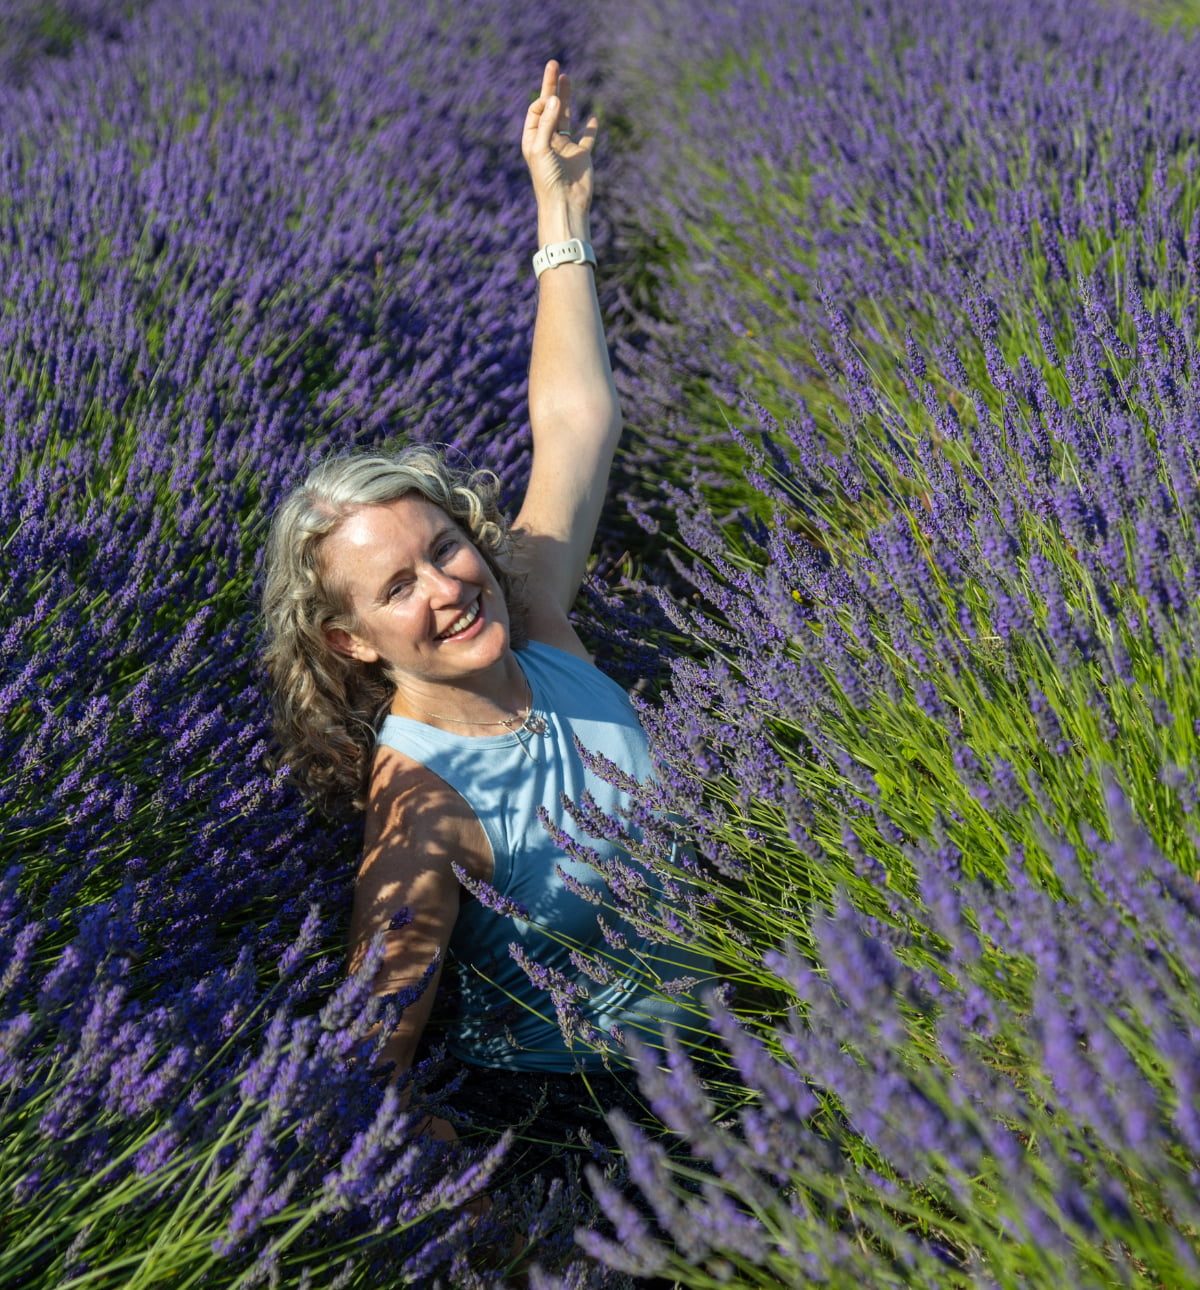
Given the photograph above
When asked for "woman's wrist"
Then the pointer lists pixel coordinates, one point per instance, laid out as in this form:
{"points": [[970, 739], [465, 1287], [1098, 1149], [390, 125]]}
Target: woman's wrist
{"points": [[561, 224]]}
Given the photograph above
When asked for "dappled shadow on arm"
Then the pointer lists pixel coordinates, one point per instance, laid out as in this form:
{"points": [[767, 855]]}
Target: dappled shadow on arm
{"points": [[417, 828]]}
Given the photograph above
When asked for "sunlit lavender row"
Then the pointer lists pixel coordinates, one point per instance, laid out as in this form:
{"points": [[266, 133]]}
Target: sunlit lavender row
{"points": [[888, 157], [926, 326]]}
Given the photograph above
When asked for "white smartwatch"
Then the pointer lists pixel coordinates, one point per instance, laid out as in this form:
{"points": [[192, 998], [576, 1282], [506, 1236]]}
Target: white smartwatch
{"points": [[555, 253]]}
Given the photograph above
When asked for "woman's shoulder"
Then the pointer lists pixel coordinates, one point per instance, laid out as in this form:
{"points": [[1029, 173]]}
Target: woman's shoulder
{"points": [[398, 779], [547, 659], [545, 623], [412, 811], [556, 656]]}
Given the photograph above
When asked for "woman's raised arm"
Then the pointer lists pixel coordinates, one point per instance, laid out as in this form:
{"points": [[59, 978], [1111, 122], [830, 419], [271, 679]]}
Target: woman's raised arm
{"points": [[573, 406]]}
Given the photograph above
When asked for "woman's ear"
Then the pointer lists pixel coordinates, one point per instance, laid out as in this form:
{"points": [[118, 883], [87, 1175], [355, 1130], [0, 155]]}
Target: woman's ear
{"points": [[351, 646]]}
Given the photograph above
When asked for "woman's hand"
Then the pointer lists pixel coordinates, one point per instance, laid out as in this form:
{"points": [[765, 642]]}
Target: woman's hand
{"points": [[559, 165]]}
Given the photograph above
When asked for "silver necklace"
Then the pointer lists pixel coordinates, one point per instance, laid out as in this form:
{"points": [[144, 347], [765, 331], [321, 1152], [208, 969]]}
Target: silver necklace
{"points": [[527, 722]]}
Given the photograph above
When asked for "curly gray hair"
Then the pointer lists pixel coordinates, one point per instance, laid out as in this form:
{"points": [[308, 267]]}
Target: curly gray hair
{"points": [[327, 706]]}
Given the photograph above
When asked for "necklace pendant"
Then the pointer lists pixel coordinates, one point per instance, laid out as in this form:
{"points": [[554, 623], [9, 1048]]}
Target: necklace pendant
{"points": [[534, 724]]}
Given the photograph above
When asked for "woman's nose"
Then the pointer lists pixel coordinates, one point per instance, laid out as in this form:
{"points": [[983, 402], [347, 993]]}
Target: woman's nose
{"points": [[442, 586]]}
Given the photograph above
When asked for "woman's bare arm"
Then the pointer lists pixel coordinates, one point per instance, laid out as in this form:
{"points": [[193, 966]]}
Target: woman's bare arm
{"points": [[417, 827], [573, 407]]}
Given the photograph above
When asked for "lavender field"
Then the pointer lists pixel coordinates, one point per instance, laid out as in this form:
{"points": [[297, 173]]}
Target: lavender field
{"points": [[902, 560]]}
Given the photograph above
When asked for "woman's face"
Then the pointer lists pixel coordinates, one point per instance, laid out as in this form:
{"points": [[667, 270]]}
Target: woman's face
{"points": [[424, 599]]}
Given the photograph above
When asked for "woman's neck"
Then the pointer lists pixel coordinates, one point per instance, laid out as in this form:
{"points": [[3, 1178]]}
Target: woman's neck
{"points": [[485, 704]]}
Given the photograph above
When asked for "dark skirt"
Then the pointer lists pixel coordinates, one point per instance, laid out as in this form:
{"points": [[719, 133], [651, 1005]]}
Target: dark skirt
{"points": [[557, 1120]]}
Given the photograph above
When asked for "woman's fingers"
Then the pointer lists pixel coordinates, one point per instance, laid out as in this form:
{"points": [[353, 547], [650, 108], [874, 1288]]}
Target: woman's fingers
{"points": [[564, 97], [533, 118], [550, 79], [537, 109], [549, 116], [587, 137], [548, 121]]}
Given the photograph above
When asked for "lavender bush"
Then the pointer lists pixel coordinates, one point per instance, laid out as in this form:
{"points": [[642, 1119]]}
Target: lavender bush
{"points": [[33, 32], [997, 1088], [207, 1128], [941, 767], [934, 724], [887, 158]]}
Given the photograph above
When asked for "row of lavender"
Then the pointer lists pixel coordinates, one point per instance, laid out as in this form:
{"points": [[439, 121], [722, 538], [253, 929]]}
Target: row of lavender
{"points": [[923, 370], [231, 236]]}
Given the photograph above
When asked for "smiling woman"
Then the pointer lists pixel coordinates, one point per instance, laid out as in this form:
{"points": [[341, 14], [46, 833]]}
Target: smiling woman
{"points": [[425, 670], [336, 577]]}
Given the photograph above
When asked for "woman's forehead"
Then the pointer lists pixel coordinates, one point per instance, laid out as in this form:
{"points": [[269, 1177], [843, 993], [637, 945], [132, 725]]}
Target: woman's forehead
{"points": [[377, 540], [410, 518]]}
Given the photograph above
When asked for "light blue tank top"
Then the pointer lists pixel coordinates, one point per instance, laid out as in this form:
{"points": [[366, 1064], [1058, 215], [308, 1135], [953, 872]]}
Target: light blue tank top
{"points": [[504, 1019]]}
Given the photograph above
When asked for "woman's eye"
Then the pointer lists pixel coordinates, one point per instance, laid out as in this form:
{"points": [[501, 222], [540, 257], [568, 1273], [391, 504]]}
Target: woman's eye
{"points": [[398, 590], [445, 548]]}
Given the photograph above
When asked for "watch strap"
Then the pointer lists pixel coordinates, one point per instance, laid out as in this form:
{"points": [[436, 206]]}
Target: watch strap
{"points": [[576, 251]]}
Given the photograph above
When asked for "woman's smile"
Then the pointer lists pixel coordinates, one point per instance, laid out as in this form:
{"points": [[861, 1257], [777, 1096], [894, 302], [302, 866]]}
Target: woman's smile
{"points": [[460, 628]]}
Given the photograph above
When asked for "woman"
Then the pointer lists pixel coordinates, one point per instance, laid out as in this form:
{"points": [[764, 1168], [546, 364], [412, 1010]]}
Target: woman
{"points": [[412, 679]]}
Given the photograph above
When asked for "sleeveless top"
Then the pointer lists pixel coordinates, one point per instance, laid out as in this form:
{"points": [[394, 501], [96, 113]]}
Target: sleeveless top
{"points": [[510, 781]]}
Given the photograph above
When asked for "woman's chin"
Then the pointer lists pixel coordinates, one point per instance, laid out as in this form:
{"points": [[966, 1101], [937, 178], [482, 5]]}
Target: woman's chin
{"points": [[482, 650]]}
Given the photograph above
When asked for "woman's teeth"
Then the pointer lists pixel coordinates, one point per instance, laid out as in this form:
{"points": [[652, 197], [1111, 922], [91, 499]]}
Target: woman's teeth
{"points": [[461, 624]]}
